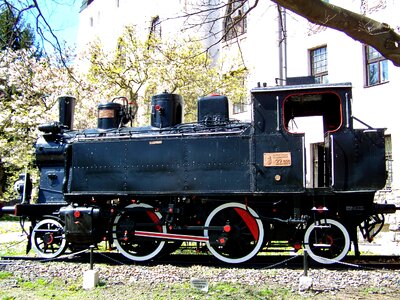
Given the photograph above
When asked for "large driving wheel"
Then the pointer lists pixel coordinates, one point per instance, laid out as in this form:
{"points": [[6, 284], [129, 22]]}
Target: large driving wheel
{"points": [[243, 233], [138, 217], [327, 241], [48, 238]]}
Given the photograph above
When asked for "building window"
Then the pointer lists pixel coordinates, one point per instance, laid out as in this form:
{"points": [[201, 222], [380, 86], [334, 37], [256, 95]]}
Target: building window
{"points": [[235, 22], [319, 64], [239, 108], [376, 67]]}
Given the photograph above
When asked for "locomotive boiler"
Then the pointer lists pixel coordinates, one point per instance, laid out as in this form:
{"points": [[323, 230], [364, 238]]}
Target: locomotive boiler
{"points": [[234, 187]]}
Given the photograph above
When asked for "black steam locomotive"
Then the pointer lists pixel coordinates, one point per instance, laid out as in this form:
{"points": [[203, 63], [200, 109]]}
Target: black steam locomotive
{"points": [[234, 188]]}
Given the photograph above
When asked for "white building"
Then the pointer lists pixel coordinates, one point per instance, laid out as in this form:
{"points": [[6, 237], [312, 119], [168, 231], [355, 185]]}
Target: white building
{"points": [[106, 19], [329, 55]]}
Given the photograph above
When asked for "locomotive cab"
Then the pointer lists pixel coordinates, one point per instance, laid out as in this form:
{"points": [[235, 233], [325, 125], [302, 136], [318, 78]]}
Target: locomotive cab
{"points": [[315, 115], [307, 140]]}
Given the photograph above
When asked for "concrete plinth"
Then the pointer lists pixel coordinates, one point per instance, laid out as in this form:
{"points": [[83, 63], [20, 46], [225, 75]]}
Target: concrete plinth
{"points": [[90, 279], [305, 283]]}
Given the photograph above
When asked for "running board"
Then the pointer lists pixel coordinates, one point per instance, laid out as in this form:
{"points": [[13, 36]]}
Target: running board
{"points": [[172, 236]]}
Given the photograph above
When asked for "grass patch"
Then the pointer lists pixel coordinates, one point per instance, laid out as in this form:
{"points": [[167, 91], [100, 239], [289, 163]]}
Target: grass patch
{"points": [[13, 248], [374, 291], [57, 288], [220, 291], [10, 218], [12, 287], [9, 226], [5, 275], [41, 288]]}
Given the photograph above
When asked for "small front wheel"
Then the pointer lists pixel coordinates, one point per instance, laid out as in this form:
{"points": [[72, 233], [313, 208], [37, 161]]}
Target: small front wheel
{"points": [[48, 238], [327, 241]]}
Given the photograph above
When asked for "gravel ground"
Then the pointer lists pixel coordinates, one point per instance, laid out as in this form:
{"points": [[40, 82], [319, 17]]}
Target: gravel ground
{"points": [[335, 284]]}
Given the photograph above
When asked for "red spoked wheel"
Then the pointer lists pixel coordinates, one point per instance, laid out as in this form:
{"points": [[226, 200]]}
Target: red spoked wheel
{"points": [[138, 217], [243, 234]]}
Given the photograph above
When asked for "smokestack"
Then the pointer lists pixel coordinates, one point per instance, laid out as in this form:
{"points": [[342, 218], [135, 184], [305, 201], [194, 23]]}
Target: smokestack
{"points": [[67, 106]]}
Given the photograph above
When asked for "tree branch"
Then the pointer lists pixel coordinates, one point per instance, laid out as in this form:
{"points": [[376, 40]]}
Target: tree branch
{"points": [[361, 28]]}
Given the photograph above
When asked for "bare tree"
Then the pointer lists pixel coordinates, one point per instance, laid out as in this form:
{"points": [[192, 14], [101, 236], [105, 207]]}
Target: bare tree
{"points": [[32, 10]]}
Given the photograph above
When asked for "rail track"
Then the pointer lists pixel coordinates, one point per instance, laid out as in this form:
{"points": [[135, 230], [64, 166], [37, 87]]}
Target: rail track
{"points": [[367, 262]]}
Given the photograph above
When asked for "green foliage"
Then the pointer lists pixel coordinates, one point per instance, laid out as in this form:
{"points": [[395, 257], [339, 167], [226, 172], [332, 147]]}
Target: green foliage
{"points": [[29, 87], [138, 69], [15, 36], [21, 110], [14, 33]]}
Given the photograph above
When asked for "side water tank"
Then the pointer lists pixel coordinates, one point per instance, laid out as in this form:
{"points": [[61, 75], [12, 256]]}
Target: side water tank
{"points": [[213, 109], [166, 110], [109, 115]]}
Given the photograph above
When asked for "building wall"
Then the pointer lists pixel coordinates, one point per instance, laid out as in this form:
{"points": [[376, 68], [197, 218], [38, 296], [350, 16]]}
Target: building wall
{"points": [[106, 19]]}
